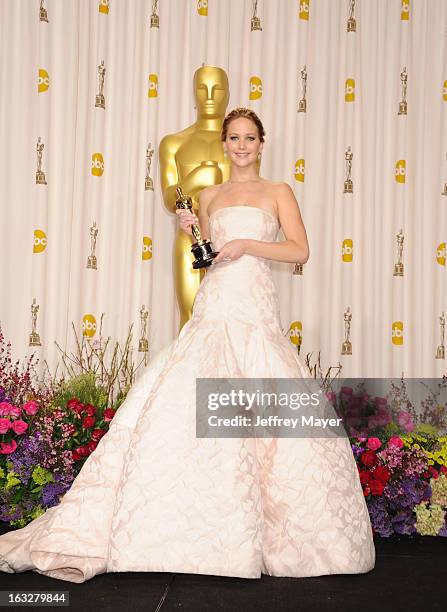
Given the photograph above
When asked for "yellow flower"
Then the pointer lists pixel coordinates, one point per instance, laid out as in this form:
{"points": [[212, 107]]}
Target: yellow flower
{"points": [[41, 476], [11, 480]]}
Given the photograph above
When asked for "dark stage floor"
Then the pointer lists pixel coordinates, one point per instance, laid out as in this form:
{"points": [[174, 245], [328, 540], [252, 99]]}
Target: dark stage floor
{"points": [[410, 575]]}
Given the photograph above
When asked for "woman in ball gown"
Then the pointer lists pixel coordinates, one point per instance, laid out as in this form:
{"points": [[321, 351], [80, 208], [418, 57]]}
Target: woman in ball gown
{"points": [[153, 496]]}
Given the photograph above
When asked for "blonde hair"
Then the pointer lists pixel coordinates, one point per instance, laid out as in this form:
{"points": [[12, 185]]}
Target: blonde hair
{"points": [[247, 113]]}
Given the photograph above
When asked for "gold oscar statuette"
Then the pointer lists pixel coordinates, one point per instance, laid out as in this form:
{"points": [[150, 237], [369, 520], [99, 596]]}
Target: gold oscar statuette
{"points": [[34, 337], [348, 186], [399, 266], [202, 248], [403, 83], [302, 104], [91, 259], [40, 175], [100, 99], [181, 156], [351, 25], [148, 183], [143, 344], [298, 269], [43, 14], [155, 20], [346, 347], [440, 352], [255, 21]]}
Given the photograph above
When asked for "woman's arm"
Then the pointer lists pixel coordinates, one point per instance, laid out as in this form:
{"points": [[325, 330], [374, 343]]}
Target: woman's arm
{"points": [[187, 218]]}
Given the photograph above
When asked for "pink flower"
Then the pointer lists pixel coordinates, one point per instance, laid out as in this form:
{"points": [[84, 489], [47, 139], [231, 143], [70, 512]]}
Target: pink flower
{"points": [[15, 412], [346, 390], [30, 407], [380, 401], [8, 447], [395, 441], [5, 407], [374, 443], [405, 420], [331, 397], [19, 426], [5, 424]]}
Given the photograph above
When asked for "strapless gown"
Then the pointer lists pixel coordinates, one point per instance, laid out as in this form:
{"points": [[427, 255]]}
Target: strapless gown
{"points": [[153, 497]]}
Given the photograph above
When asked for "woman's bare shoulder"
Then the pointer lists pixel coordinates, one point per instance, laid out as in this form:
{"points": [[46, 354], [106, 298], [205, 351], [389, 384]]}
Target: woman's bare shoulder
{"points": [[207, 195]]}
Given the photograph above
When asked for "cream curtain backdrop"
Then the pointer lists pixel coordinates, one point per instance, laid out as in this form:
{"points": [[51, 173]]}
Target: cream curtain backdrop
{"points": [[353, 94]]}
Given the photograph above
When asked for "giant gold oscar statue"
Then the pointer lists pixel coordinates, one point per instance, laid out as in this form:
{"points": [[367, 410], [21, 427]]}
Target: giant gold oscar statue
{"points": [[193, 159]]}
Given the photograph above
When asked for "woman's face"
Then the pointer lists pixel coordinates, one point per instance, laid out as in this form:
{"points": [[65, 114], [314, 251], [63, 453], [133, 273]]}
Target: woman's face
{"points": [[242, 143]]}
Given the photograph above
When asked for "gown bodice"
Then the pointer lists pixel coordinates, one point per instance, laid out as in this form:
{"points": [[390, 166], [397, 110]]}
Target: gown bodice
{"points": [[242, 289]]}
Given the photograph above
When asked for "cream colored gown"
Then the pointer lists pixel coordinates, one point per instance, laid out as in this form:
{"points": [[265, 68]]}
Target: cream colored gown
{"points": [[153, 497]]}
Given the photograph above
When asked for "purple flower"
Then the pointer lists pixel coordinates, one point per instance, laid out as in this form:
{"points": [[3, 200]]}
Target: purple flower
{"points": [[380, 519], [404, 522], [51, 493]]}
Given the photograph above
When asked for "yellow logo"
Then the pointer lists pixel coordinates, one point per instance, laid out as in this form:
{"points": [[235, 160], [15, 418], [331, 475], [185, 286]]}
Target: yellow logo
{"points": [[304, 9], [299, 170], [255, 88], [202, 7], [444, 91], [97, 164], [350, 90], [397, 332], [153, 86], [296, 333], [441, 254], [347, 250], [405, 14], [89, 325], [400, 171], [44, 80], [40, 241], [147, 248], [103, 6]]}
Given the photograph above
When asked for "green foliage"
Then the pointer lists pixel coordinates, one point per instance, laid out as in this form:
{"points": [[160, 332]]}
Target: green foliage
{"points": [[85, 388]]}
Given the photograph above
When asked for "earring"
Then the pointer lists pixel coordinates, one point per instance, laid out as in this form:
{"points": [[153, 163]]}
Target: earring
{"points": [[225, 152], [259, 155]]}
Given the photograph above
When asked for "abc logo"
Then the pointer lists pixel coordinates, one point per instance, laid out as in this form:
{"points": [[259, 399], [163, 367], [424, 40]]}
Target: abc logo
{"points": [[400, 171], [405, 14], [147, 248], [104, 6], [444, 91], [202, 7], [255, 88], [397, 332], [299, 170], [304, 9], [153, 86], [441, 254], [350, 90], [347, 249], [296, 333], [89, 325], [40, 241], [44, 80], [97, 164]]}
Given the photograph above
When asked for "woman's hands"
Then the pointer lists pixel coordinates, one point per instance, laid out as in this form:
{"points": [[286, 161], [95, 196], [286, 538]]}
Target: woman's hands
{"points": [[186, 219], [231, 250]]}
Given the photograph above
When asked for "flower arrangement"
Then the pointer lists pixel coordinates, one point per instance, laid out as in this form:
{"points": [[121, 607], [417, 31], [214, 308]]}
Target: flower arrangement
{"points": [[47, 431], [404, 480]]}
